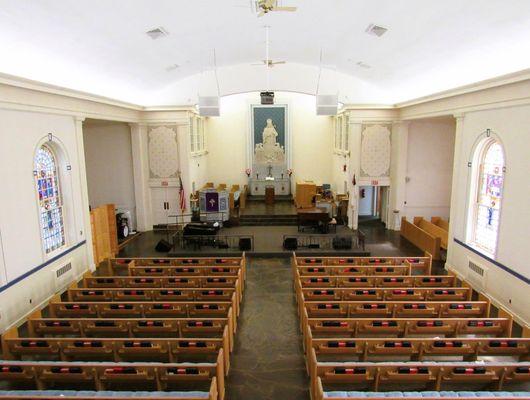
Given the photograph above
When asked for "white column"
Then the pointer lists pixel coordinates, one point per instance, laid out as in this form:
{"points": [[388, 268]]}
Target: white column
{"points": [[398, 173], [141, 176], [186, 168], [457, 162], [87, 228], [355, 127]]}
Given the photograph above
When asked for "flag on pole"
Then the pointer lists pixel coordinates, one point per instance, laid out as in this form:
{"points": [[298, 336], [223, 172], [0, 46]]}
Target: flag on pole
{"points": [[182, 195]]}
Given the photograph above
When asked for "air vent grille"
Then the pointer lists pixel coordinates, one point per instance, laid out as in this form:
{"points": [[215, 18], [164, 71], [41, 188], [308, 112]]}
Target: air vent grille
{"points": [[476, 268], [477, 275], [63, 270]]}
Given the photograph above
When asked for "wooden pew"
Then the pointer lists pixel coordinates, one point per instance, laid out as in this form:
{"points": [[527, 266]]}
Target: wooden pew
{"points": [[386, 294], [441, 223], [130, 328], [434, 230], [119, 349], [352, 270], [423, 264], [86, 395], [396, 309], [420, 238], [157, 282], [453, 395], [441, 281], [217, 281], [103, 376], [405, 327], [378, 376], [168, 309], [184, 270], [175, 261], [154, 294], [420, 349], [195, 263]]}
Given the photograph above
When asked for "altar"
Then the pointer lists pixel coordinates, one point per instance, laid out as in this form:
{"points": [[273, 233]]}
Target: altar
{"points": [[281, 186], [269, 159]]}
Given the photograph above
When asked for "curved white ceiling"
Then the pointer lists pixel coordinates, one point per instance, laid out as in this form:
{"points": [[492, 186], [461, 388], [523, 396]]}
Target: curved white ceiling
{"points": [[101, 47]]}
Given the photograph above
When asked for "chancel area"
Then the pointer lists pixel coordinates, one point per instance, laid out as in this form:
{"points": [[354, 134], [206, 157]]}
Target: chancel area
{"points": [[264, 199]]}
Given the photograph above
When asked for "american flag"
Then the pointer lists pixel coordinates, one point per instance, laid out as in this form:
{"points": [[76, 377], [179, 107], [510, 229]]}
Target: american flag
{"points": [[182, 195]]}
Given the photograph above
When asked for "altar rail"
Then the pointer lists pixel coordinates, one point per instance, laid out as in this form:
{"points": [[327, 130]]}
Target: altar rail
{"points": [[325, 242], [219, 242]]}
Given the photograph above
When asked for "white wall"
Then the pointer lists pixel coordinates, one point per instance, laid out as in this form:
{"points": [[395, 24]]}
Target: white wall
{"points": [[429, 168], [20, 134], [338, 175], [109, 164], [512, 125], [311, 139]]}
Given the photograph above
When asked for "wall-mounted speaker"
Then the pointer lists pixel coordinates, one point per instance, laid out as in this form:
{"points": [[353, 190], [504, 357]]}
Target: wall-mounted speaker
{"points": [[209, 106], [327, 104], [267, 97]]}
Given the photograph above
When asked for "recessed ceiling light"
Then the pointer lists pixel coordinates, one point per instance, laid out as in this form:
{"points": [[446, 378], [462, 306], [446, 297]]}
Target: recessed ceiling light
{"points": [[156, 33], [376, 30], [363, 65], [172, 67]]}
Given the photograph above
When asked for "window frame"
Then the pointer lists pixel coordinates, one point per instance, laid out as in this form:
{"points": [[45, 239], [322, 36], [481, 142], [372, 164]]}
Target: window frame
{"points": [[475, 182], [197, 136], [59, 184]]}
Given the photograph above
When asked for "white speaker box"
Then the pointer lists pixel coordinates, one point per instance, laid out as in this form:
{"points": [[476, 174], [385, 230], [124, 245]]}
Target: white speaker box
{"points": [[209, 106], [327, 104]]}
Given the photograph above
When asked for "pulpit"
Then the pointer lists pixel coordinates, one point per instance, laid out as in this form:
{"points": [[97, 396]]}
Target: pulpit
{"points": [[269, 195]]}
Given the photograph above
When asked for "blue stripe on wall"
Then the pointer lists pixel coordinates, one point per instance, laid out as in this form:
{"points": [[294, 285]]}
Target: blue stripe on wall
{"points": [[41, 266], [491, 260]]}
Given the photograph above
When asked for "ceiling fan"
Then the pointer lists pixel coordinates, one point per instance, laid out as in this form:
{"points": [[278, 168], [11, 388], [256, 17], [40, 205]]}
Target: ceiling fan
{"points": [[267, 62], [267, 6]]}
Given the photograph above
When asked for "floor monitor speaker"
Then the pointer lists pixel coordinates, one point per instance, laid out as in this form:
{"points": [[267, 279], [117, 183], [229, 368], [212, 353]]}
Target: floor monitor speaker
{"points": [[342, 242], [290, 243], [245, 244], [163, 246]]}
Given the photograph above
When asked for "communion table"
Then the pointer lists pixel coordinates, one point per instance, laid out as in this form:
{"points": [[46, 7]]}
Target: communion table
{"points": [[281, 186]]}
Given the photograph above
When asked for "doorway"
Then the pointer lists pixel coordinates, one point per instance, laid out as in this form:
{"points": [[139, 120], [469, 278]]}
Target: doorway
{"points": [[373, 204]]}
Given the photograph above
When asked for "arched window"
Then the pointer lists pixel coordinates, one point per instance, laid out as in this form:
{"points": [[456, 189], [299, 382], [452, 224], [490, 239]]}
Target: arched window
{"points": [[489, 180], [50, 199]]}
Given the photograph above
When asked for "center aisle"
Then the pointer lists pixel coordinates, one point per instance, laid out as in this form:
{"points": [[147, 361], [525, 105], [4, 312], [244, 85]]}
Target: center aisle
{"points": [[267, 362]]}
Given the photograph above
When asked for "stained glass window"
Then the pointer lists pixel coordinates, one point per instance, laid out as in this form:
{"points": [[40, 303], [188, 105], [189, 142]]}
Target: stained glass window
{"points": [[488, 197], [50, 201]]}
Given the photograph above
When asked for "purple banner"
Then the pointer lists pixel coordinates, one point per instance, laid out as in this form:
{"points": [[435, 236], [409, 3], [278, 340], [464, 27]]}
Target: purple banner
{"points": [[212, 202]]}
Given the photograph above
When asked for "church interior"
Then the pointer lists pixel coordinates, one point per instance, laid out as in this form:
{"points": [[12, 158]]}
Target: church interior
{"points": [[264, 199]]}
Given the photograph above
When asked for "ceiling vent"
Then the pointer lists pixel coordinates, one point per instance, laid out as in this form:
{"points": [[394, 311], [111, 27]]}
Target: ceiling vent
{"points": [[172, 67], [362, 64], [156, 33], [376, 30]]}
